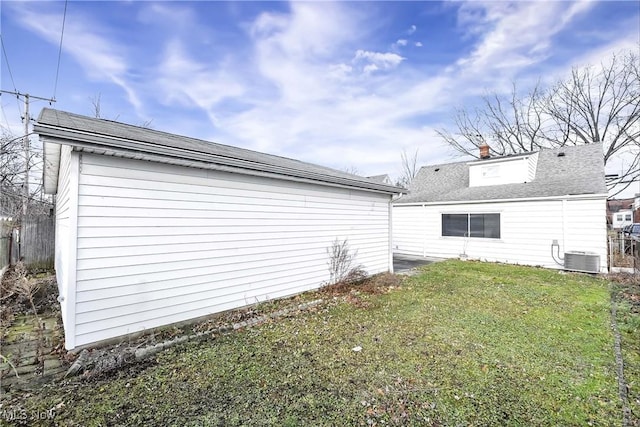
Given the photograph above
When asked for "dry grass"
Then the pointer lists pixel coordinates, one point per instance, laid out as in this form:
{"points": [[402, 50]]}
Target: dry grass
{"points": [[464, 343]]}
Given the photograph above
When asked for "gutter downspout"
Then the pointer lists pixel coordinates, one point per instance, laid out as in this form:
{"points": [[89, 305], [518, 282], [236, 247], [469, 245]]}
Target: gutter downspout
{"points": [[564, 224], [391, 235]]}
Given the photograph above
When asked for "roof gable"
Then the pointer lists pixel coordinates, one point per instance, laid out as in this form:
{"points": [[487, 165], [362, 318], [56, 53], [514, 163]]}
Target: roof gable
{"points": [[384, 178], [570, 170]]}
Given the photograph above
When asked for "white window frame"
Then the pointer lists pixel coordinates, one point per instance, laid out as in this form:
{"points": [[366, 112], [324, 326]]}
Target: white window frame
{"points": [[468, 233]]}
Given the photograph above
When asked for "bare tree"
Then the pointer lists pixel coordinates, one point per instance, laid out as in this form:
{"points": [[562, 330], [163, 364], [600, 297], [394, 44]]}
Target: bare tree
{"points": [[511, 125], [147, 124], [351, 169], [409, 168], [96, 111], [13, 165], [603, 105], [96, 105], [11, 160], [594, 104], [12, 176]]}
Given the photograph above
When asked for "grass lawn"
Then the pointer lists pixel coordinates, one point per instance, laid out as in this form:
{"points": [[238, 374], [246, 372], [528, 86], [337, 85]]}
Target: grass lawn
{"points": [[463, 343], [627, 291]]}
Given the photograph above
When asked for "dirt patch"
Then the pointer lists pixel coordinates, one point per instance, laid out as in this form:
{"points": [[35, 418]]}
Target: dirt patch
{"points": [[356, 292], [31, 334], [20, 292], [623, 260], [375, 285], [628, 289]]}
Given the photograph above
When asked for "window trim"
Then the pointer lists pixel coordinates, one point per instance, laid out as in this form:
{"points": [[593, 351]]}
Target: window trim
{"points": [[468, 232]]}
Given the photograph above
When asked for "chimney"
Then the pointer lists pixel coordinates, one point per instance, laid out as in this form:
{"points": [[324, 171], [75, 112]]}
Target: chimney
{"points": [[484, 151]]}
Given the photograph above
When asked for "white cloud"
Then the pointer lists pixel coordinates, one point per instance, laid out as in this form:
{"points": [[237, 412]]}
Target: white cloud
{"points": [[167, 13], [370, 68], [340, 71], [293, 51], [186, 81], [307, 101], [378, 60], [99, 56], [514, 35], [310, 30], [312, 85], [329, 111]]}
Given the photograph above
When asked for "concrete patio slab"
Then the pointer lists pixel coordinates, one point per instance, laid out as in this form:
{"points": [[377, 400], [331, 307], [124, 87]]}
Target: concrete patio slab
{"points": [[408, 264]]}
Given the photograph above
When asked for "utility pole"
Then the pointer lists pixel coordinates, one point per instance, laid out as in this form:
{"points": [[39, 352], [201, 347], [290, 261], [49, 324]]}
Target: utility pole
{"points": [[27, 150], [25, 187]]}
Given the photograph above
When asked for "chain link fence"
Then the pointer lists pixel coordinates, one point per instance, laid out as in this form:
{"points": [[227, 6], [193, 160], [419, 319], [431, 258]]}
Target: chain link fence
{"points": [[624, 254]]}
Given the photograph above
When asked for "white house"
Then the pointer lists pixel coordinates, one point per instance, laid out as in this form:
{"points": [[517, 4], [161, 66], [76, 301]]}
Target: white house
{"points": [[622, 218], [384, 178], [523, 209], [154, 228]]}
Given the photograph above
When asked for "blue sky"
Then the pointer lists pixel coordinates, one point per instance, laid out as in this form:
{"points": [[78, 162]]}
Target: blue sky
{"points": [[345, 85]]}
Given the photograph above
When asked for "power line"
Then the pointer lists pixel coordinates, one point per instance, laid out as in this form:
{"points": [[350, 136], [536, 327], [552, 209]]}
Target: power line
{"points": [[6, 58], [64, 18], [25, 142], [4, 114]]}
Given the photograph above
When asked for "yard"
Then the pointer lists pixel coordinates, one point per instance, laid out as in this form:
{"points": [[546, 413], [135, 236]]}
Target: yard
{"points": [[462, 343]]}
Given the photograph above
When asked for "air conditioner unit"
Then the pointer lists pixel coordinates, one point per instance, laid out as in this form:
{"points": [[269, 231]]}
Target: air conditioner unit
{"points": [[587, 262]]}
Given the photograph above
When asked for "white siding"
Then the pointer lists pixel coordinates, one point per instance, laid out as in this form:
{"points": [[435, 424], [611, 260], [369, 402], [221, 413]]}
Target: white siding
{"points": [[499, 171], [620, 218], [532, 166], [410, 230], [159, 244], [65, 236], [586, 228], [527, 231]]}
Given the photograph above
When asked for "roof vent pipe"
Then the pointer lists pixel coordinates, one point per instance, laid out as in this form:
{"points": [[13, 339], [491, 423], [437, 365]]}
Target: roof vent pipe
{"points": [[484, 151]]}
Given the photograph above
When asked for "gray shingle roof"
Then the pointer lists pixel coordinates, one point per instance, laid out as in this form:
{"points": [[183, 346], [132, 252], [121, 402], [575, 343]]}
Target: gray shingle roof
{"points": [[579, 171], [91, 133]]}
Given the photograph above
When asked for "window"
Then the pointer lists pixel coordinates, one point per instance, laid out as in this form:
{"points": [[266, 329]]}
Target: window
{"points": [[472, 225], [455, 225], [627, 217], [619, 217]]}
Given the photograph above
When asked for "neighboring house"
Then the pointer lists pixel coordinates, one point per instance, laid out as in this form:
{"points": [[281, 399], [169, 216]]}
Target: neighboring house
{"points": [[383, 179], [154, 228], [622, 218], [636, 208], [508, 209], [616, 205]]}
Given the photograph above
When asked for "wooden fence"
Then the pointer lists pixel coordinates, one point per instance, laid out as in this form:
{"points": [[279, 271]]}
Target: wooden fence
{"points": [[33, 242], [37, 243], [6, 229]]}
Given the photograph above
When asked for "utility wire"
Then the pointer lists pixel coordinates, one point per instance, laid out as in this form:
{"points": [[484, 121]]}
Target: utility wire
{"points": [[4, 114], [64, 18], [6, 58]]}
